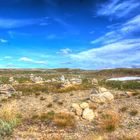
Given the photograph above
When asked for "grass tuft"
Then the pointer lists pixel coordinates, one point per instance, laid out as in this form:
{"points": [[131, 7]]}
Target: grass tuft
{"points": [[64, 120]]}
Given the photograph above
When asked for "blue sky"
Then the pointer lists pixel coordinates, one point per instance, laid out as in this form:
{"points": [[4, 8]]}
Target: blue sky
{"points": [[87, 34]]}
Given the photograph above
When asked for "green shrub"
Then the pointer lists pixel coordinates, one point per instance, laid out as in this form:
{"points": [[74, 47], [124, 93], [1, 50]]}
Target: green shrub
{"points": [[6, 128], [4, 80], [121, 85], [23, 79]]}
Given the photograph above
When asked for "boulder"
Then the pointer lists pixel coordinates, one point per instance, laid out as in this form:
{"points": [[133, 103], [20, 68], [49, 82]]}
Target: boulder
{"points": [[88, 114], [7, 89], [78, 110], [102, 97], [84, 105], [36, 79]]}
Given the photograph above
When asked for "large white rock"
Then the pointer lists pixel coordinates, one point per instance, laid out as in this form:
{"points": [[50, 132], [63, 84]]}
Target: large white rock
{"points": [[102, 97], [78, 110], [84, 105], [88, 114]]}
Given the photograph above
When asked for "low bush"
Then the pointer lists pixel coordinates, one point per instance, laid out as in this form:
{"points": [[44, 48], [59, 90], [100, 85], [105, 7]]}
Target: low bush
{"points": [[64, 120], [44, 117], [109, 121], [10, 117], [6, 128], [133, 112], [121, 85]]}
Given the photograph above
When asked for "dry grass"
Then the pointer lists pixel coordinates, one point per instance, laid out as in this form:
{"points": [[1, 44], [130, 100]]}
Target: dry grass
{"points": [[9, 112], [124, 109], [110, 121], [93, 106], [9, 118], [44, 117], [133, 112], [64, 119]]}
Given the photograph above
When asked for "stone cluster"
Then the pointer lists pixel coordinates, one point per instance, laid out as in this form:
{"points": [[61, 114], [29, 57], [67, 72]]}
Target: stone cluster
{"points": [[83, 110], [6, 91], [36, 79], [101, 95]]}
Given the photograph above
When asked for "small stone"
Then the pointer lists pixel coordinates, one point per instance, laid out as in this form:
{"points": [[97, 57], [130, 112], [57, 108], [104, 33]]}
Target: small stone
{"points": [[129, 93], [78, 110], [84, 105], [88, 114]]}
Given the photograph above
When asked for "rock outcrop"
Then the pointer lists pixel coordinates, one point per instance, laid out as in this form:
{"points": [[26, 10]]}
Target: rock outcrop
{"points": [[102, 96], [36, 79], [6, 91], [82, 110]]}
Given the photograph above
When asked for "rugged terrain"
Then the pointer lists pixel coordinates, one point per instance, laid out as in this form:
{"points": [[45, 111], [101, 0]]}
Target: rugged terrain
{"points": [[65, 104]]}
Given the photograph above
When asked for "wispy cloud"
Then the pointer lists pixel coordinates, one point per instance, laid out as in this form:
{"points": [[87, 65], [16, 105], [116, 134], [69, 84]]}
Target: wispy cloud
{"points": [[8, 57], [132, 24], [29, 60], [51, 37], [3, 40], [65, 51], [118, 54], [16, 23], [121, 32], [118, 8]]}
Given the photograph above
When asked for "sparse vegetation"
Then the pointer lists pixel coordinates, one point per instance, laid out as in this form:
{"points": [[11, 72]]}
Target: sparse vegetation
{"points": [[133, 112], [124, 109], [47, 111], [64, 120], [10, 117], [4, 80], [121, 85], [45, 117], [110, 121], [6, 128]]}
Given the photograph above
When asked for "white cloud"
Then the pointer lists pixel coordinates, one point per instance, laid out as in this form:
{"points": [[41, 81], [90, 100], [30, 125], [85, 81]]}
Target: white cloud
{"points": [[16, 23], [26, 59], [3, 40], [7, 57], [65, 51], [121, 32], [132, 25], [118, 54], [117, 8]]}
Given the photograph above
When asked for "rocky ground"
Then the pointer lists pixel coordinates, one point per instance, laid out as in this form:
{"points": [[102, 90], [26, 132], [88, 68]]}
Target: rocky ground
{"points": [[94, 112], [126, 108]]}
